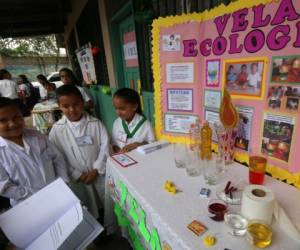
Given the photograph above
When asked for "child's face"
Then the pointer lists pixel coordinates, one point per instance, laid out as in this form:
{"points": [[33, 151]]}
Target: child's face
{"points": [[124, 110], [65, 77], [11, 122], [254, 69], [72, 107], [244, 68]]}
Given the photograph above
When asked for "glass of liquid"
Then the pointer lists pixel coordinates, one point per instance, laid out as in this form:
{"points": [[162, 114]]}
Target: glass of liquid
{"points": [[213, 168], [257, 166], [217, 209], [259, 234]]}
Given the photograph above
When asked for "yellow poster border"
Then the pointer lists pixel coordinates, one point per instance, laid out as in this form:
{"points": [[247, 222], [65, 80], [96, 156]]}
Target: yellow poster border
{"points": [[162, 22]]}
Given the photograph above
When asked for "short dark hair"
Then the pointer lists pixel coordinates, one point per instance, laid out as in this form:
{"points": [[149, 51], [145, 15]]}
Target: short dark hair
{"points": [[130, 96], [42, 77], [2, 73], [74, 80], [7, 102], [68, 89]]}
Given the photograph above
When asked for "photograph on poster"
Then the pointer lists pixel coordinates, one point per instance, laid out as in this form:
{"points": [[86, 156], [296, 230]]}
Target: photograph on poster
{"points": [[179, 123], [171, 42], [180, 99], [244, 77], [212, 98], [212, 117], [180, 72], [213, 73], [283, 98], [244, 127], [286, 69], [277, 135]]}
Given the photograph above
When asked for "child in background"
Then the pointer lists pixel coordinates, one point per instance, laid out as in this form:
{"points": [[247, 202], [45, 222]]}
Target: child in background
{"points": [[254, 77], [130, 129], [231, 75], [67, 77], [242, 77], [28, 161], [84, 142]]}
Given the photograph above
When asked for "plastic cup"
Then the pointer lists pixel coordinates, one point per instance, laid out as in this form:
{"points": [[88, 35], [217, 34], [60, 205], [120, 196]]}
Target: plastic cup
{"points": [[257, 166]]}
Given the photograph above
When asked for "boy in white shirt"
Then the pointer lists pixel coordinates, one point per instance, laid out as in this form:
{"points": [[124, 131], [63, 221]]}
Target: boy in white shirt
{"points": [[28, 161], [131, 129], [8, 88], [83, 140], [254, 77]]}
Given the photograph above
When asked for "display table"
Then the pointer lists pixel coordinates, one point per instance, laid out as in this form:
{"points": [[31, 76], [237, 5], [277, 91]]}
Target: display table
{"points": [[43, 115], [170, 214]]}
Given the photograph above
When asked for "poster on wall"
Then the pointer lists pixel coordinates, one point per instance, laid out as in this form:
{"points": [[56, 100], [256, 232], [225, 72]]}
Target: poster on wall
{"points": [[277, 135], [171, 42], [178, 123], [86, 62], [251, 48], [244, 127], [212, 117], [180, 73], [244, 77], [180, 99], [212, 99], [213, 73], [283, 98], [286, 69], [130, 49]]}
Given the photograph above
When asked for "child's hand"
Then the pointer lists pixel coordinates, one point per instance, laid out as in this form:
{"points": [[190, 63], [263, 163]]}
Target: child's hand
{"points": [[82, 177], [91, 176], [129, 147]]}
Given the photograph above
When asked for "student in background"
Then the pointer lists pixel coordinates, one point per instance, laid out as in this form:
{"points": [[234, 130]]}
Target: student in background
{"points": [[67, 77], [84, 142], [28, 161], [131, 129], [8, 88], [47, 90], [32, 98]]}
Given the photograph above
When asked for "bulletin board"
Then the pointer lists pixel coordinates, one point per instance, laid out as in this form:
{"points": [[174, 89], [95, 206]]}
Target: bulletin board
{"points": [[251, 48]]}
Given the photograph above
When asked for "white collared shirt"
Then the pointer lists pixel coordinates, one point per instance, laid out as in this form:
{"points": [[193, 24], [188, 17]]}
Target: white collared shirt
{"points": [[25, 170], [8, 88], [143, 134], [85, 157]]}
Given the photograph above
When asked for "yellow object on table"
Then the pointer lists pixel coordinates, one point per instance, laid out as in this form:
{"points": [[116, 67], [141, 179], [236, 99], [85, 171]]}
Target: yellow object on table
{"points": [[170, 187], [209, 240]]}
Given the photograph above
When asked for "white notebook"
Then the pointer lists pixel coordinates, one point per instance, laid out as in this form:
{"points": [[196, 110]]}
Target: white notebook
{"points": [[46, 219]]}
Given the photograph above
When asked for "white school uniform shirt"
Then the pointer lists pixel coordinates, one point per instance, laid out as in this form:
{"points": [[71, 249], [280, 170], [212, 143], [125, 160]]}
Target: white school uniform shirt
{"points": [[25, 170], [143, 134], [8, 88], [85, 146], [253, 79]]}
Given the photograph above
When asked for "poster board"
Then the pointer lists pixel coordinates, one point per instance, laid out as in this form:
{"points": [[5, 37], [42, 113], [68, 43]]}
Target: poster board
{"points": [[86, 62], [252, 49]]}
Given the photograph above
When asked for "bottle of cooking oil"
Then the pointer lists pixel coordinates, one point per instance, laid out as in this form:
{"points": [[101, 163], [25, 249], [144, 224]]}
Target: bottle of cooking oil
{"points": [[206, 135], [259, 234]]}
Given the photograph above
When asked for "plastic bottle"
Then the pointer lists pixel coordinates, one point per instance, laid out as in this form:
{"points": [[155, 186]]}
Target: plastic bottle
{"points": [[195, 138], [206, 135]]}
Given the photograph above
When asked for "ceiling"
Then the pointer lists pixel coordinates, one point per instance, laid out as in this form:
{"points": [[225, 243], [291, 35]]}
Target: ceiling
{"points": [[21, 18]]}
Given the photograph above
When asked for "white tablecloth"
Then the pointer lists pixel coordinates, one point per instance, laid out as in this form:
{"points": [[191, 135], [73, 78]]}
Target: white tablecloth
{"points": [[171, 214]]}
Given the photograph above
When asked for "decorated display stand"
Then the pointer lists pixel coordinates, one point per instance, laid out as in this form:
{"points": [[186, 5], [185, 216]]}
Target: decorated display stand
{"points": [[251, 48], [244, 54]]}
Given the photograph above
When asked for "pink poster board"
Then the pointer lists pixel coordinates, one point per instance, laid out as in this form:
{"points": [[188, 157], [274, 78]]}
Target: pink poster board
{"points": [[257, 46]]}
